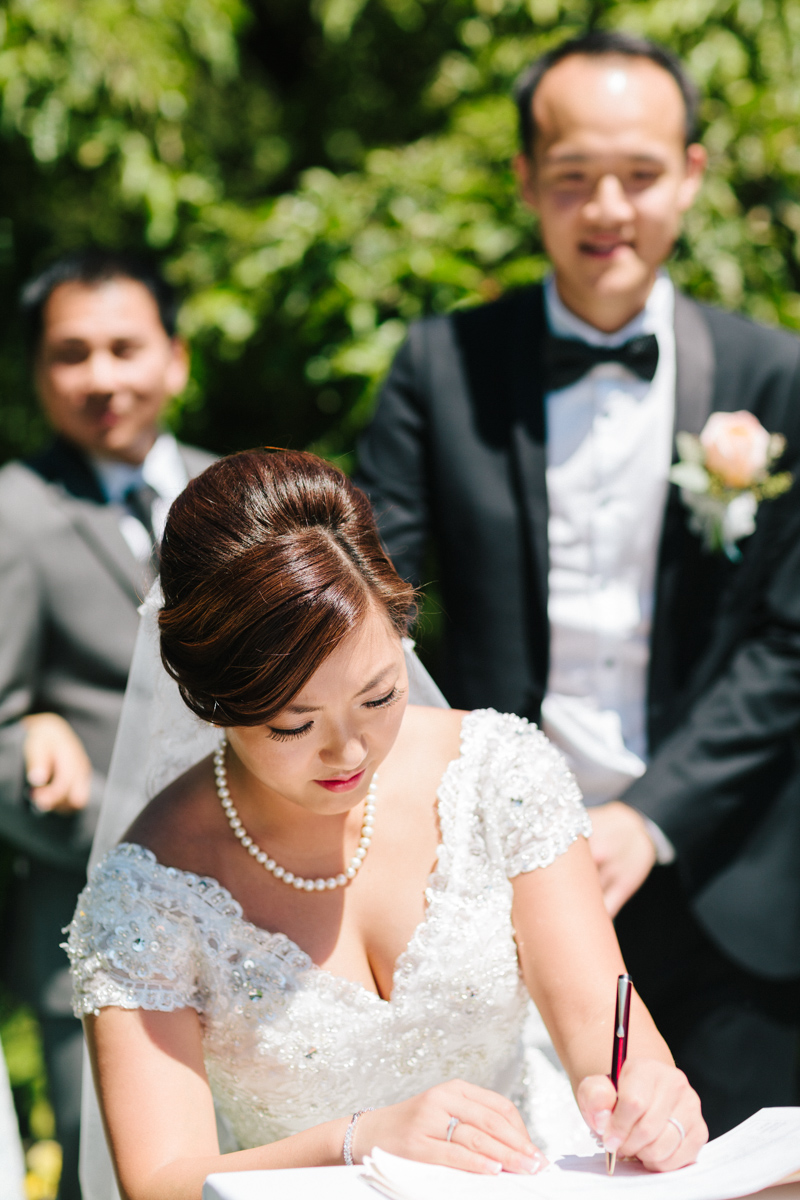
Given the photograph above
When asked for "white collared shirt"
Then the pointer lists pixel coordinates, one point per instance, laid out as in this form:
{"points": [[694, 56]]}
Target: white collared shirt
{"points": [[609, 450], [163, 470]]}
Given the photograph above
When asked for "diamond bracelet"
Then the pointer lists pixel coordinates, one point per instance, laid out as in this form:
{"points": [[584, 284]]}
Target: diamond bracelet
{"points": [[347, 1148]]}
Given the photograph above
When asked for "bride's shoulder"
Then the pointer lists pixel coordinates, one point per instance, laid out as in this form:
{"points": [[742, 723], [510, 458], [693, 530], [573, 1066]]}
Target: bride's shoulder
{"points": [[457, 729], [180, 820], [481, 731], [429, 739], [435, 726], [481, 739]]}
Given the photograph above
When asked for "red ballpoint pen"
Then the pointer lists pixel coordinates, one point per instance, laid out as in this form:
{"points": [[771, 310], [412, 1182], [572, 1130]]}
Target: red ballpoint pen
{"points": [[622, 1019]]}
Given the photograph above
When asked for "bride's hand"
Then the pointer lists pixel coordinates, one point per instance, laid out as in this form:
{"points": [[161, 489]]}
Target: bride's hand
{"points": [[644, 1118], [490, 1135]]}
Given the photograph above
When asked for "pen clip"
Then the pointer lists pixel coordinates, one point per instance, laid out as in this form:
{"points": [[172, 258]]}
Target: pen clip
{"points": [[621, 1022], [620, 1049]]}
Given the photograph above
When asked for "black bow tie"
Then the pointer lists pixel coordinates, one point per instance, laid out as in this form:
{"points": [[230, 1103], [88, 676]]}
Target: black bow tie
{"points": [[566, 360]]}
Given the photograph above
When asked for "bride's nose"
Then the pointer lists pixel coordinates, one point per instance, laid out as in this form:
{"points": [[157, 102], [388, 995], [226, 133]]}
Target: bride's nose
{"points": [[344, 750]]}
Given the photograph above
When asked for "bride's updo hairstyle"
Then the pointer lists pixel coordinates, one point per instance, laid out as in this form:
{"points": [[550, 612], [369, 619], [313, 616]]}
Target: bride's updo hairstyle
{"points": [[269, 560]]}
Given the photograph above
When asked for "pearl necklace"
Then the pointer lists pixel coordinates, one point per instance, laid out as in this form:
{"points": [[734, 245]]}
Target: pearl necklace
{"points": [[269, 864]]}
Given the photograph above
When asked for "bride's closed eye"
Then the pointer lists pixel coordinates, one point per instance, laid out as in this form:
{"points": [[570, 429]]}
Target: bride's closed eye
{"points": [[284, 735], [390, 698]]}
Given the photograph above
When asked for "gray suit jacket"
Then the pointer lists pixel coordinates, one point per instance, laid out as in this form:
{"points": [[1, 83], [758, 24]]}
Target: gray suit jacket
{"points": [[69, 592]]}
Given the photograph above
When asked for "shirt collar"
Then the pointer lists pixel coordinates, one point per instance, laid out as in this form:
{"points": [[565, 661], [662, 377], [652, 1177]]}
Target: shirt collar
{"points": [[656, 316], [162, 469]]}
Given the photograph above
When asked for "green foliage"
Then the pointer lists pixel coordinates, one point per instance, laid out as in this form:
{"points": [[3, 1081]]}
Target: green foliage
{"points": [[21, 1044], [319, 173]]}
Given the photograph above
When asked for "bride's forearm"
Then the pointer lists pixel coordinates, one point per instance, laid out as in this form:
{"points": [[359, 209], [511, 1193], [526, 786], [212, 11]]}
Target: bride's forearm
{"points": [[183, 1178], [159, 1112], [588, 1051], [571, 961]]}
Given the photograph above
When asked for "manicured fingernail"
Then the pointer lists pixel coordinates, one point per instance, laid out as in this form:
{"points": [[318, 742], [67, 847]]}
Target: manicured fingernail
{"points": [[494, 1168], [532, 1165], [611, 1144], [601, 1120]]}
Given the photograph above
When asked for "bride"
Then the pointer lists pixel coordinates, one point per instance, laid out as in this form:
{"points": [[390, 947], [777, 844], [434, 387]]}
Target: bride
{"points": [[329, 929]]}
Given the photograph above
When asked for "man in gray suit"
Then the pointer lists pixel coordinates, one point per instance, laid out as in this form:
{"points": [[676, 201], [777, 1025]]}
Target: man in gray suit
{"points": [[79, 529]]}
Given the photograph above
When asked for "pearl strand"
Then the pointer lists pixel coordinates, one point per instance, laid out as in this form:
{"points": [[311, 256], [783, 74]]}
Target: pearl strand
{"points": [[269, 864]]}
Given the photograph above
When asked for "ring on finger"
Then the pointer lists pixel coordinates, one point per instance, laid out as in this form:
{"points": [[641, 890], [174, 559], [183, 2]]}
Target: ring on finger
{"points": [[681, 1131], [451, 1128]]}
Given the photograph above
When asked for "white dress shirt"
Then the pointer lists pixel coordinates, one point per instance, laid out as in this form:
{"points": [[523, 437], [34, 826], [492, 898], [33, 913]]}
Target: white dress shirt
{"points": [[163, 470], [609, 450]]}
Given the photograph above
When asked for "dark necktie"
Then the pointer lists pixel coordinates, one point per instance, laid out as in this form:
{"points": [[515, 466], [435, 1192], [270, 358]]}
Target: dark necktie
{"points": [[566, 360], [139, 502]]}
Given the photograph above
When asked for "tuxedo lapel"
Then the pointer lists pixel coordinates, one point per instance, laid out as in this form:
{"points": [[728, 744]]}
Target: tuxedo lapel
{"points": [[695, 378], [74, 487], [694, 367], [98, 526], [528, 434]]}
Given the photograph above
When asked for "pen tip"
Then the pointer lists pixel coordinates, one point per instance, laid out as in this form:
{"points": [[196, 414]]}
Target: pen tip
{"points": [[611, 1162]]}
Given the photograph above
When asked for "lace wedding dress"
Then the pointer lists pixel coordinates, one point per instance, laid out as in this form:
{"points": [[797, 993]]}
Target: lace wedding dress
{"points": [[287, 1044]]}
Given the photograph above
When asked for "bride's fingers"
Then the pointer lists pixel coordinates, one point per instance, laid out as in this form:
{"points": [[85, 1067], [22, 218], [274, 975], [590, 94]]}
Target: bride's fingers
{"points": [[502, 1107], [489, 1125], [670, 1149], [478, 1143], [679, 1140], [463, 1160], [649, 1095], [487, 1134]]}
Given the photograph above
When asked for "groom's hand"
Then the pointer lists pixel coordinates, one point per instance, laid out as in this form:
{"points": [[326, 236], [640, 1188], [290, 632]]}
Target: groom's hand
{"points": [[622, 850], [57, 767]]}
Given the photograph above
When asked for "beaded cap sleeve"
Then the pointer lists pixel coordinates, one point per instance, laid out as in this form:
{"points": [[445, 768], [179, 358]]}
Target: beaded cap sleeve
{"points": [[133, 944], [531, 803]]}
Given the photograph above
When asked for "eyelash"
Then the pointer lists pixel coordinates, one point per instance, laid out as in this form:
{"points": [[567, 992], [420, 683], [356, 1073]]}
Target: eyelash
{"points": [[285, 735], [386, 700]]}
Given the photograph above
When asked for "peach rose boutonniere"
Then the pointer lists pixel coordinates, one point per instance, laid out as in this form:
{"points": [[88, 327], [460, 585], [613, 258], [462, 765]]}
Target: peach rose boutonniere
{"points": [[724, 474]]}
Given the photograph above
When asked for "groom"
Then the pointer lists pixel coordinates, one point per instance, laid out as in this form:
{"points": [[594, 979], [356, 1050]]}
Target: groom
{"points": [[529, 442]]}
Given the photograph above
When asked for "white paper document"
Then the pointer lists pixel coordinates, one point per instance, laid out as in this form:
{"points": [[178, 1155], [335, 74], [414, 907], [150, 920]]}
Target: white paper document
{"points": [[761, 1151]]}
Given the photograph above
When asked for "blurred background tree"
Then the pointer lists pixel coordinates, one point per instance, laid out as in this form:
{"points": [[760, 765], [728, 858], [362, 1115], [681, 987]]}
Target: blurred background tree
{"points": [[316, 173]]}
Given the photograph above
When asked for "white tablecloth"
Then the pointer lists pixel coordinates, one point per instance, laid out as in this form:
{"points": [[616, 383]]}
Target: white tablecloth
{"points": [[341, 1183], [300, 1183]]}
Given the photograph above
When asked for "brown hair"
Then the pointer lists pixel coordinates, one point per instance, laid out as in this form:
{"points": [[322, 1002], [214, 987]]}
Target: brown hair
{"points": [[269, 560]]}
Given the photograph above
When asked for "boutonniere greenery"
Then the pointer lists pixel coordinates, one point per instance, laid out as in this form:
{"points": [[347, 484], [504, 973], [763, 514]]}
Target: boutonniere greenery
{"points": [[724, 474]]}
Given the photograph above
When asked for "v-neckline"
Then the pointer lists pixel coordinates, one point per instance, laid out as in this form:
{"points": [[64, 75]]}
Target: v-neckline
{"points": [[434, 881]]}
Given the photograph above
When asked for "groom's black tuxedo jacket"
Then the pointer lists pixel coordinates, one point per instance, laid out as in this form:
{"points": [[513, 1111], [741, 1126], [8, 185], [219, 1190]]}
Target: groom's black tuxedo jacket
{"points": [[456, 456]]}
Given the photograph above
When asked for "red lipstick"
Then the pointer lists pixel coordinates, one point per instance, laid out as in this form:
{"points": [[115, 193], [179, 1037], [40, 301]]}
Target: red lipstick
{"points": [[342, 784]]}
